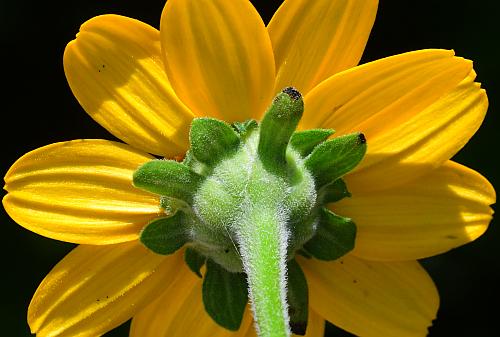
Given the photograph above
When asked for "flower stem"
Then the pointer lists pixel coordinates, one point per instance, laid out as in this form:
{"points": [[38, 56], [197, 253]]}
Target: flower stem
{"points": [[263, 246]]}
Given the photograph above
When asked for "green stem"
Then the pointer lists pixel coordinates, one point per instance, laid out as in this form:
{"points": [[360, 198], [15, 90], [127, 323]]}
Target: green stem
{"points": [[263, 246]]}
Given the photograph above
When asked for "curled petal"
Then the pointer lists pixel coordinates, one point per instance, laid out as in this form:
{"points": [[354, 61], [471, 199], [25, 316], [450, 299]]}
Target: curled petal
{"points": [[96, 288], [417, 108], [180, 310], [219, 57], [313, 40], [441, 210], [373, 299], [115, 70], [80, 191]]}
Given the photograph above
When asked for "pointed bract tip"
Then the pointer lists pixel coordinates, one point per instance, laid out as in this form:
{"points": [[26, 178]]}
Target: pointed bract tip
{"points": [[293, 93], [362, 138], [298, 328]]}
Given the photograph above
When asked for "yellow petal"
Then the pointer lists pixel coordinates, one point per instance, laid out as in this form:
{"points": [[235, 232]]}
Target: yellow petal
{"points": [[423, 142], [80, 191], [441, 210], [115, 70], [96, 288], [180, 311], [351, 97], [313, 40], [315, 325], [416, 109], [373, 299], [219, 57], [251, 332]]}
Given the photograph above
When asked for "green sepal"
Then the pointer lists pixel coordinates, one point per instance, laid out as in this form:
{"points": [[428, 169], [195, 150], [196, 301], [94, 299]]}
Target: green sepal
{"points": [[305, 141], [165, 235], [335, 237], [195, 165], [277, 126], [172, 205], [168, 205], [243, 128], [224, 296], [212, 140], [194, 260], [334, 192], [298, 298], [168, 178], [336, 157]]}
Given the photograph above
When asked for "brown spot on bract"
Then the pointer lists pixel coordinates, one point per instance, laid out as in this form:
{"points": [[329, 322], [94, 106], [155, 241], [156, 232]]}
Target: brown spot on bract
{"points": [[362, 138], [293, 93]]}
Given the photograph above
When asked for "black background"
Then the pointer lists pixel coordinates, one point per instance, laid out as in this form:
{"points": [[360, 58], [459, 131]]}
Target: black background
{"points": [[37, 108]]}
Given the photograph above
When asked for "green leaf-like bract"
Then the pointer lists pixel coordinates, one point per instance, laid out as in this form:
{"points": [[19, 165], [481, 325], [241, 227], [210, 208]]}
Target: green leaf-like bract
{"points": [[243, 128], [168, 178], [212, 140], [334, 237], [277, 127], [195, 165], [298, 298], [335, 157], [165, 235], [334, 192], [260, 189], [194, 260], [224, 296], [305, 141]]}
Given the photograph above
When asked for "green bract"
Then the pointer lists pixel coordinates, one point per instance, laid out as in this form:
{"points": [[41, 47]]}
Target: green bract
{"points": [[298, 299], [246, 199], [224, 295]]}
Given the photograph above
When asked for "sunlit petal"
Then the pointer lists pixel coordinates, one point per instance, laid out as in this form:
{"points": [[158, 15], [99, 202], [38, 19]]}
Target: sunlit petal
{"points": [[416, 109], [80, 191], [96, 288], [441, 210], [179, 312], [219, 57], [115, 70], [313, 40], [373, 299]]}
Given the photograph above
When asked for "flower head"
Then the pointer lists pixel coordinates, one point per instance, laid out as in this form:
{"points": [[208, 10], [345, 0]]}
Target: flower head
{"points": [[216, 60]]}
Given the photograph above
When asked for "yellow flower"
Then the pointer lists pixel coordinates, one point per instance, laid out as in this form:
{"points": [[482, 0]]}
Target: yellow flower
{"points": [[217, 58]]}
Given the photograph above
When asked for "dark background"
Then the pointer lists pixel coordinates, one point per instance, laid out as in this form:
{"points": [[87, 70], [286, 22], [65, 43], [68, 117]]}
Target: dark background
{"points": [[37, 108]]}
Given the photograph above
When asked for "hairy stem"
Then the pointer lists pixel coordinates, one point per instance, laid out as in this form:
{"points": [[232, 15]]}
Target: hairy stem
{"points": [[263, 246]]}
